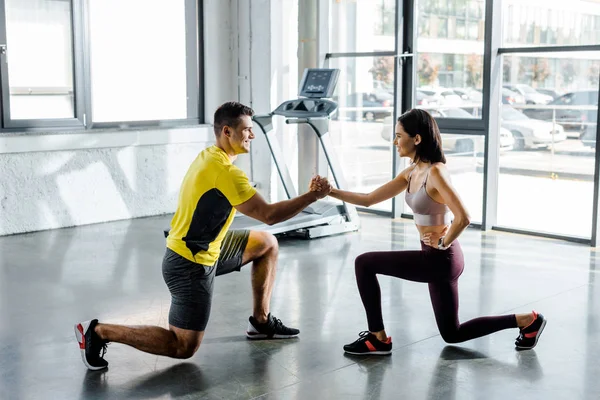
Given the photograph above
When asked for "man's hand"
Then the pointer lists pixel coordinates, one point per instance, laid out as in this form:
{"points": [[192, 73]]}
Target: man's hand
{"points": [[320, 186]]}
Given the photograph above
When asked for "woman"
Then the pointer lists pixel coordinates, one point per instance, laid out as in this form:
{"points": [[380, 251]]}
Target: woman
{"points": [[440, 261]]}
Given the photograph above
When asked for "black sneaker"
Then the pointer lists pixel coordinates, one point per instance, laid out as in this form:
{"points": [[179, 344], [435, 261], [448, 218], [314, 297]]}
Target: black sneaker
{"points": [[367, 344], [272, 329], [529, 336], [91, 345]]}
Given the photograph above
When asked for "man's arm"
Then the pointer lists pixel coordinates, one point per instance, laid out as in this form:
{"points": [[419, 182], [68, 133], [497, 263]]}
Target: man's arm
{"points": [[256, 207]]}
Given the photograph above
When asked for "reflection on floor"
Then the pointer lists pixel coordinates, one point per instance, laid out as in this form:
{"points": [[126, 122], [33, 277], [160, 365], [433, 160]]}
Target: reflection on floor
{"points": [[49, 280]]}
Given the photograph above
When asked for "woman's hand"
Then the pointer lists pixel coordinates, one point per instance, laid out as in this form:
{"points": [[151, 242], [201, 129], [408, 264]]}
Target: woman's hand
{"points": [[432, 239]]}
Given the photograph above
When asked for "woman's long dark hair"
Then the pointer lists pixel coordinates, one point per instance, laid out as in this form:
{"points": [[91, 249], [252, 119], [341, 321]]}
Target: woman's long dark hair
{"points": [[420, 122]]}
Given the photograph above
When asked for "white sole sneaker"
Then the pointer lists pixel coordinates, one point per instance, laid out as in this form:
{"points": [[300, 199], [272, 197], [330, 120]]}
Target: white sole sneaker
{"points": [[257, 335], [80, 331], [253, 334]]}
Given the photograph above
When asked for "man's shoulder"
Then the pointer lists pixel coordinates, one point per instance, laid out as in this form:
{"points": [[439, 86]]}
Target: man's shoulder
{"points": [[211, 159]]}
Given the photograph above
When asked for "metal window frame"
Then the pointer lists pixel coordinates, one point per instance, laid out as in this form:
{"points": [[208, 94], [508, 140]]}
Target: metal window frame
{"points": [[495, 52], [548, 49], [78, 84], [83, 118]]}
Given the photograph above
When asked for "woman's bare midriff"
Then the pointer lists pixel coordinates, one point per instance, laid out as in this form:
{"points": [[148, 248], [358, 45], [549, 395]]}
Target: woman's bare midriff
{"points": [[431, 229]]}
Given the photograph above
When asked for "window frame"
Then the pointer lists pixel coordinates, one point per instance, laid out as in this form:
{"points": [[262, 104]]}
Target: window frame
{"points": [[83, 118]]}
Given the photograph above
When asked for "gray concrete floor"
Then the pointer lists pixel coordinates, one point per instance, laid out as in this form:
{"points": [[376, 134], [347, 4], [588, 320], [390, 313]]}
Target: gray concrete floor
{"points": [[51, 280]]}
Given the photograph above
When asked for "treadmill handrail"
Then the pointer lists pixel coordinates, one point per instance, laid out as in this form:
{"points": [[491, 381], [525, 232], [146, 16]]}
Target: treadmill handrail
{"points": [[265, 123], [296, 121], [320, 125]]}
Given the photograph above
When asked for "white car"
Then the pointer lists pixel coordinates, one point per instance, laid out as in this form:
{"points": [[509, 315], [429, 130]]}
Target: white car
{"points": [[530, 133], [456, 143], [442, 95], [531, 95]]}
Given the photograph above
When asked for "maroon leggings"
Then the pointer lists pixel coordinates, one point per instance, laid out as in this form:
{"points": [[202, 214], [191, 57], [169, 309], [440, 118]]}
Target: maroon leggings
{"points": [[440, 269]]}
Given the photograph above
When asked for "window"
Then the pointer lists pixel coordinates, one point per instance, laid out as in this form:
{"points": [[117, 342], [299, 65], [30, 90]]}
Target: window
{"points": [[40, 65], [51, 77], [362, 26], [555, 23], [362, 129], [138, 74], [546, 181], [450, 58]]}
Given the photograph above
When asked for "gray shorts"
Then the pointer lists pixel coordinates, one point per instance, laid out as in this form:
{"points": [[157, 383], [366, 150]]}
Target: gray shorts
{"points": [[191, 284]]}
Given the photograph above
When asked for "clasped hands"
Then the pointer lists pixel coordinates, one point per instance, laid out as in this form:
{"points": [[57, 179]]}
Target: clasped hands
{"points": [[320, 186]]}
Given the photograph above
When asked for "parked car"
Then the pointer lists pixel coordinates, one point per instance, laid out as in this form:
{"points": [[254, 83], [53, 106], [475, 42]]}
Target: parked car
{"points": [[531, 95], [456, 143], [550, 92], [381, 92], [588, 138], [510, 97], [442, 95], [469, 94], [360, 106], [571, 119], [422, 99], [450, 113], [528, 132]]}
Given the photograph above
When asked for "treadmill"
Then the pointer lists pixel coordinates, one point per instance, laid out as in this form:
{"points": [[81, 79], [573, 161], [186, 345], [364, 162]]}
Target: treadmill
{"points": [[312, 108]]}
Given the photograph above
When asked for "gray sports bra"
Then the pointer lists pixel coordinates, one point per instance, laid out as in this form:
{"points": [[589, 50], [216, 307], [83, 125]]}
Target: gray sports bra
{"points": [[427, 212]]}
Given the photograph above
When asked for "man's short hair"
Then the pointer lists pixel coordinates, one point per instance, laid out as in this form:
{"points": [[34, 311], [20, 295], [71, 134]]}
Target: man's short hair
{"points": [[229, 114]]}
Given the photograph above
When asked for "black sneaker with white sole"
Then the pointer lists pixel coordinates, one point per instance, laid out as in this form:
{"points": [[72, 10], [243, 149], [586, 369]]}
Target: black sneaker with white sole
{"points": [[272, 329], [91, 346], [529, 335], [367, 344]]}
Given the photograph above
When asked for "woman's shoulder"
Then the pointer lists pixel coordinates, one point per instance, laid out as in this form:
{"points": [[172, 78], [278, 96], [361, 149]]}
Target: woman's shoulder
{"points": [[408, 170], [438, 169]]}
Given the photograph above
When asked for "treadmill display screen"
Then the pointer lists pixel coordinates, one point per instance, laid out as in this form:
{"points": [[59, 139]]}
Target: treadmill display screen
{"points": [[318, 83]]}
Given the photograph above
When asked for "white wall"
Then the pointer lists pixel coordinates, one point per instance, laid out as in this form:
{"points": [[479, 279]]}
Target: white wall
{"points": [[75, 179]]}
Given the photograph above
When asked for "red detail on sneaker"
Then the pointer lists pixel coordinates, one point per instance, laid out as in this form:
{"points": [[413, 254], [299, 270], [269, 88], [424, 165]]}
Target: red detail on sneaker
{"points": [[535, 316], [370, 346], [82, 343], [389, 340], [531, 335]]}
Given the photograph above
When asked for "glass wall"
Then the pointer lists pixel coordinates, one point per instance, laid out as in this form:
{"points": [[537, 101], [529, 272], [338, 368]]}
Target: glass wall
{"points": [[550, 106], [361, 130], [362, 26], [450, 37], [548, 102], [551, 23]]}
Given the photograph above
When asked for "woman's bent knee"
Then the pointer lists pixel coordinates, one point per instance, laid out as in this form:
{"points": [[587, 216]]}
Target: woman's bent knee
{"points": [[362, 262], [451, 337]]}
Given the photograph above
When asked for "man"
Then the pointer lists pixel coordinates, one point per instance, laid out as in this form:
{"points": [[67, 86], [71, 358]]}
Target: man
{"points": [[200, 247]]}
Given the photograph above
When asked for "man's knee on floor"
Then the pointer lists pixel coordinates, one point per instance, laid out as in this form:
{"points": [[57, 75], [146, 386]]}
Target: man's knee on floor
{"points": [[185, 350], [184, 346]]}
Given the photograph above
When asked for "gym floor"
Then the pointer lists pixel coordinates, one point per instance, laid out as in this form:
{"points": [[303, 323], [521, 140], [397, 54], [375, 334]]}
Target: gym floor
{"points": [[53, 279]]}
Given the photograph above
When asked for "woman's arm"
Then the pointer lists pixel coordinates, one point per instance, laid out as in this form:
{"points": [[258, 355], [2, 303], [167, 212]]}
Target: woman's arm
{"points": [[387, 191], [440, 180]]}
